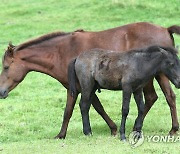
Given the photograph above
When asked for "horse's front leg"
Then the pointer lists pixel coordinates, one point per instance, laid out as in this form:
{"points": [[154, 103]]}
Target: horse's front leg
{"points": [[125, 110], [138, 96], [99, 108], [67, 115], [171, 100]]}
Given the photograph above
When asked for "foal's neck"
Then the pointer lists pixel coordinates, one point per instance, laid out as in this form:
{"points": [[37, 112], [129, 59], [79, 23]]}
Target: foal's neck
{"points": [[154, 64]]}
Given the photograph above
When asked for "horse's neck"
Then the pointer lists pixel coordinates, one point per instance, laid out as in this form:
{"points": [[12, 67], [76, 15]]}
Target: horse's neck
{"points": [[40, 61], [52, 58]]}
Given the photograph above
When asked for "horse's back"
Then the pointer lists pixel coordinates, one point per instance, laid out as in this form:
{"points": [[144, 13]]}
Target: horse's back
{"points": [[131, 36]]}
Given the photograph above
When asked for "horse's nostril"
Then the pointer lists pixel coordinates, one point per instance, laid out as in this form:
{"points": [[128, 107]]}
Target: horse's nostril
{"points": [[5, 92]]}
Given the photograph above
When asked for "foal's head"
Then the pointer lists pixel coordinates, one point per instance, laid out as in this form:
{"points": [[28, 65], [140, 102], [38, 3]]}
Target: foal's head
{"points": [[13, 71], [171, 65]]}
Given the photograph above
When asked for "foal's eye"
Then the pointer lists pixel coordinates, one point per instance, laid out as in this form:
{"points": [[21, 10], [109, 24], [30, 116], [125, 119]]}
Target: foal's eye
{"points": [[6, 67], [171, 64]]}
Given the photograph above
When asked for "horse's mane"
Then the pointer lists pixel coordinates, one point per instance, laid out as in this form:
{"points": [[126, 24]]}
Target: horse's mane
{"points": [[40, 39]]}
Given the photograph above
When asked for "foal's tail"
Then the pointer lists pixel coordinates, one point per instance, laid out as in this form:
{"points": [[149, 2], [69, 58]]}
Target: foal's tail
{"points": [[72, 78]]}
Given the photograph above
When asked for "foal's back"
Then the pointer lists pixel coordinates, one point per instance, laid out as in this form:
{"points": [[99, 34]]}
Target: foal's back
{"points": [[111, 69], [104, 66]]}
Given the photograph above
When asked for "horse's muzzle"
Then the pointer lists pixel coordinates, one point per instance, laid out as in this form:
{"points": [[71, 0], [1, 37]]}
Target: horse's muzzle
{"points": [[178, 85], [3, 93]]}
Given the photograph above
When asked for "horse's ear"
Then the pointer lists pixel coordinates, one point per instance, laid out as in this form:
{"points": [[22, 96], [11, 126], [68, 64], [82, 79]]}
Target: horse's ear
{"points": [[10, 49], [11, 45]]}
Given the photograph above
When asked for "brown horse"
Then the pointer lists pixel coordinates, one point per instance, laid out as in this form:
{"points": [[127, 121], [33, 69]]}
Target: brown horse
{"points": [[51, 54]]}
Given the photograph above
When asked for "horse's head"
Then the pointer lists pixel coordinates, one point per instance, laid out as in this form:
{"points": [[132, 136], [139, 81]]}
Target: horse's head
{"points": [[13, 71], [171, 66]]}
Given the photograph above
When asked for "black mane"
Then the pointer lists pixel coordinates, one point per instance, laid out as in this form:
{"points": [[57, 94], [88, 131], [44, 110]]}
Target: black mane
{"points": [[172, 50], [40, 39], [154, 48]]}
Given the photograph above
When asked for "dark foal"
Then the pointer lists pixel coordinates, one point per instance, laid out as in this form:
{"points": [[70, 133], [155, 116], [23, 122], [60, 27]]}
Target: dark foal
{"points": [[128, 71], [51, 54]]}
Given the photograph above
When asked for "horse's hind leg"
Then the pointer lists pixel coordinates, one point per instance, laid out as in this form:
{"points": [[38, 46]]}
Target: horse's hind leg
{"points": [[67, 115], [150, 97], [171, 100], [99, 108], [140, 105]]}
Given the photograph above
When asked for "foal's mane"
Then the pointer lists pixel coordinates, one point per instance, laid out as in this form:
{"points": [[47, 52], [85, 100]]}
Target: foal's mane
{"points": [[172, 50], [155, 48], [40, 39]]}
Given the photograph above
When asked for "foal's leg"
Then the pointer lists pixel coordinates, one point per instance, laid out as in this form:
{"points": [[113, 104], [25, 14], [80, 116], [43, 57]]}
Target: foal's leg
{"points": [[125, 110], [85, 104], [140, 105], [87, 93], [67, 114], [171, 100], [99, 108]]}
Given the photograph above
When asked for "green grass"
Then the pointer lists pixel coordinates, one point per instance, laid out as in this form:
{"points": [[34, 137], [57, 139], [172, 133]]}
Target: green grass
{"points": [[32, 114]]}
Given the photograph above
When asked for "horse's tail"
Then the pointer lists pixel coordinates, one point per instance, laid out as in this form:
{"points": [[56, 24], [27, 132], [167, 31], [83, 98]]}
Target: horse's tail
{"points": [[174, 29], [72, 78]]}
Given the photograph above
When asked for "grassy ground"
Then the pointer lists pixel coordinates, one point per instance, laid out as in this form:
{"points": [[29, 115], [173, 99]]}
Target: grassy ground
{"points": [[32, 114]]}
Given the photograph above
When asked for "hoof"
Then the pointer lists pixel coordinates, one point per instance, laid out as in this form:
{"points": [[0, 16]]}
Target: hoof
{"points": [[173, 133], [59, 136], [137, 135], [123, 137], [124, 140], [114, 131], [88, 134], [174, 130]]}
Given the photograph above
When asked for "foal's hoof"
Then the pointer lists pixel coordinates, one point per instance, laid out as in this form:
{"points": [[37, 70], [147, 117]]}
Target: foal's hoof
{"points": [[137, 135], [123, 137], [124, 140], [88, 134], [59, 136]]}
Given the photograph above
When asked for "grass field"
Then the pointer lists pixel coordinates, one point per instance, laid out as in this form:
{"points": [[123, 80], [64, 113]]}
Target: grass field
{"points": [[32, 114]]}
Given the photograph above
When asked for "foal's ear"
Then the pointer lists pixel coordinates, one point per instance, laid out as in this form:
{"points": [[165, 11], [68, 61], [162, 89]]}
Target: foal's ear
{"points": [[163, 51]]}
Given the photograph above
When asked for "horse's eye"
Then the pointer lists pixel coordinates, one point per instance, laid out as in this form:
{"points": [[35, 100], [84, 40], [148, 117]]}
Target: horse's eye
{"points": [[6, 67]]}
